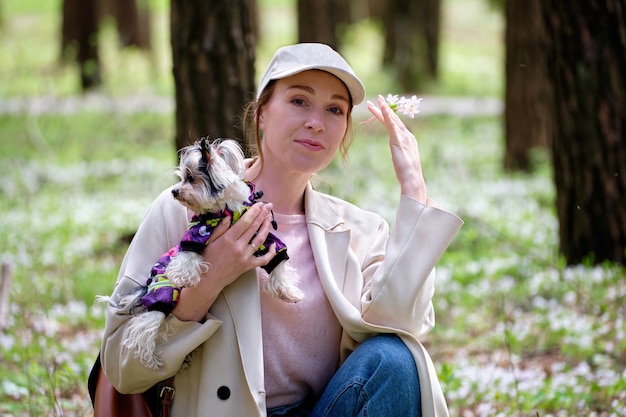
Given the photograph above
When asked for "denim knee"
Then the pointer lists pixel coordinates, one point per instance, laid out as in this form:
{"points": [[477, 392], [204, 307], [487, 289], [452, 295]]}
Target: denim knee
{"points": [[391, 356], [378, 379]]}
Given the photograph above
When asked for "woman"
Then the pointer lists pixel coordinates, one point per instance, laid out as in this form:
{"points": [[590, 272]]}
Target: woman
{"points": [[351, 346]]}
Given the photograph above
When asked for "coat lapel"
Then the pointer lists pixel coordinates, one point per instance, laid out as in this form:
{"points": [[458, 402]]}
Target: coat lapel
{"points": [[330, 241], [339, 274]]}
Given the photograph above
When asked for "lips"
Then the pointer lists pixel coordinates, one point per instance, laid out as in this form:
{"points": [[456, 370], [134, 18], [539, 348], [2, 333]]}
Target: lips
{"points": [[311, 144]]}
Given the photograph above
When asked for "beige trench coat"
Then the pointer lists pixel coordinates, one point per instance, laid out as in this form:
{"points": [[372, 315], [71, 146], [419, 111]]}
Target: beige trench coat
{"points": [[376, 281]]}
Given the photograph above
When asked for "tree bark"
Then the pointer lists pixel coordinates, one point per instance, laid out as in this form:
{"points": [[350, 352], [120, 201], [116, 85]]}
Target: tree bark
{"points": [[81, 25], [527, 94], [79, 39], [213, 47], [133, 21], [587, 67], [412, 41], [321, 20]]}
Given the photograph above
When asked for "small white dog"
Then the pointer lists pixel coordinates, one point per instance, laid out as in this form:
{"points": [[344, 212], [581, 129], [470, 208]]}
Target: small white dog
{"points": [[211, 186]]}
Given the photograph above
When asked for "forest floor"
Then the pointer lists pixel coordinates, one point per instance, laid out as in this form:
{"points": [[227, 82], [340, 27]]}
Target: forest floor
{"points": [[432, 105]]}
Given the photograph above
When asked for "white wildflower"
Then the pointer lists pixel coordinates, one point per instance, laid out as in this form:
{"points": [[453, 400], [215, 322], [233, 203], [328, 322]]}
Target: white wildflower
{"points": [[392, 100], [407, 106]]}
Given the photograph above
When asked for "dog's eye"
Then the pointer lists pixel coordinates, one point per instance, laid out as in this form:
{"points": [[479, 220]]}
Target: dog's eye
{"points": [[190, 178]]}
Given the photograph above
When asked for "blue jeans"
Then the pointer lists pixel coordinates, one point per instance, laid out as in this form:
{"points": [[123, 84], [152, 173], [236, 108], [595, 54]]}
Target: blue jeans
{"points": [[378, 379]]}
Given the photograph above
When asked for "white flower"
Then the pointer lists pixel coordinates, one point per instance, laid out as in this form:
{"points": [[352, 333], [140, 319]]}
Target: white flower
{"points": [[409, 106], [392, 100]]}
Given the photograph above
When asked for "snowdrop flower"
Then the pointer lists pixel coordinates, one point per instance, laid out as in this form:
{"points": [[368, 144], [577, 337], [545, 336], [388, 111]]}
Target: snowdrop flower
{"points": [[392, 100], [406, 106]]}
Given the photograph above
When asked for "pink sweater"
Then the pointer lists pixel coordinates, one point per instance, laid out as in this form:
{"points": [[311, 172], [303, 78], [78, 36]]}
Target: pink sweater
{"points": [[301, 340]]}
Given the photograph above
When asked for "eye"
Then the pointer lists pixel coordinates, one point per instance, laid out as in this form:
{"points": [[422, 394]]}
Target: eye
{"points": [[336, 110], [298, 102], [190, 178]]}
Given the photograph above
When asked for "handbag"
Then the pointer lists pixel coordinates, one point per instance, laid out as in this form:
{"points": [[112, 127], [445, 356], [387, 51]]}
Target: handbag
{"points": [[108, 402]]}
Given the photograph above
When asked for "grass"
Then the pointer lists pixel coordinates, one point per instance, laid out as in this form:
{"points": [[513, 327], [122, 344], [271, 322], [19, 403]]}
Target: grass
{"points": [[518, 332]]}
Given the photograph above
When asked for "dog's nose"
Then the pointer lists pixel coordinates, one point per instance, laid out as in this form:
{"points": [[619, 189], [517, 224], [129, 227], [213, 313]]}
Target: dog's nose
{"points": [[175, 192]]}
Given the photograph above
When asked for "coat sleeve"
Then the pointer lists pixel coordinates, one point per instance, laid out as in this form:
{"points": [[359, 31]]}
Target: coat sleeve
{"points": [[399, 271], [161, 228]]}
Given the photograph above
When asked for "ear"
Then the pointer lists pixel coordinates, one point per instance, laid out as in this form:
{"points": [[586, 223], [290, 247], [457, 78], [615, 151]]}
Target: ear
{"points": [[205, 149], [261, 119], [230, 151]]}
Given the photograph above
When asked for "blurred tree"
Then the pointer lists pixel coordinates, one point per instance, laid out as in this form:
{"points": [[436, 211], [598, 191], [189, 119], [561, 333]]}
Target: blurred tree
{"points": [[321, 20], [79, 32], [587, 67], [132, 19], [411, 40], [79, 39], [213, 48], [527, 93], [376, 8]]}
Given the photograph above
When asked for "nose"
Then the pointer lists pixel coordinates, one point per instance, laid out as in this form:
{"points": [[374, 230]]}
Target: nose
{"points": [[315, 122], [175, 192]]}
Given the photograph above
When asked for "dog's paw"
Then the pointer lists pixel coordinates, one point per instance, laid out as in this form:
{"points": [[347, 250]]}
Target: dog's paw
{"points": [[102, 299], [278, 284], [185, 269], [291, 295], [185, 282], [284, 291]]}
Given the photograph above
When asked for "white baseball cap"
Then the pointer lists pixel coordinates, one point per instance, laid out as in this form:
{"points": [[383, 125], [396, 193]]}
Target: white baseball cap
{"points": [[293, 59]]}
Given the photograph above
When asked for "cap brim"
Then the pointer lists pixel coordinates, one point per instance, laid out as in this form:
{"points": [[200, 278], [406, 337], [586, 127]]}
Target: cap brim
{"points": [[355, 87], [293, 59]]}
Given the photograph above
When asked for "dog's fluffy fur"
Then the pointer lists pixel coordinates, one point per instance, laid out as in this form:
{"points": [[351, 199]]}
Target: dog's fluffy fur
{"points": [[211, 181]]}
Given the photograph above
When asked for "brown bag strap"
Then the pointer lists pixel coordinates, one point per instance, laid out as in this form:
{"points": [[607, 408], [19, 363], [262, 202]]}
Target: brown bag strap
{"points": [[166, 396], [107, 401]]}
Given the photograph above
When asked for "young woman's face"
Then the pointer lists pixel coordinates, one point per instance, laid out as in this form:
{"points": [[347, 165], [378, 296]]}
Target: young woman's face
{"points": [[305, 121]]}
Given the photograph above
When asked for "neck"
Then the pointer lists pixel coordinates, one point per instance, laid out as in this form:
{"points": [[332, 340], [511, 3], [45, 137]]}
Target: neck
{"points": [[284, 190]]}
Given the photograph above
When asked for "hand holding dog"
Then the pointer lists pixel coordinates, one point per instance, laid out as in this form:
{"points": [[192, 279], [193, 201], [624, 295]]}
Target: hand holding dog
{"points": [[404, 151], [229, 252]]}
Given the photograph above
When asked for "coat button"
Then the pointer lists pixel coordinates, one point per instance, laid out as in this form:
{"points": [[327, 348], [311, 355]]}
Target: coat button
{"points": [[223, 393]]}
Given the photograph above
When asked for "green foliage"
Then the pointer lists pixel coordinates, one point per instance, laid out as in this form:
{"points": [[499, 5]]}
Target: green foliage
{"points": [[540, 337], [518, 333], [74, 190]]}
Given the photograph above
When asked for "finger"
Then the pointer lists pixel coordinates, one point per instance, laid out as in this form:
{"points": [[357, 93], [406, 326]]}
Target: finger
{"points": [[387, 113], [266, 257], [250, 221], [375, 111], [260, 235], [383, 112]]}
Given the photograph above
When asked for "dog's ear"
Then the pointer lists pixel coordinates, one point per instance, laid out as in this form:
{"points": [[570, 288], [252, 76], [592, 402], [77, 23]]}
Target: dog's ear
{"points": [[230, 151], [205, 149]]}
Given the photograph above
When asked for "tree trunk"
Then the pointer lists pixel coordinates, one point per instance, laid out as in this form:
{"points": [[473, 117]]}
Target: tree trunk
{"points": [[527, 93], [80, 28], [321, 20], [79, 39], [376, 8], [213, 47], [412, 41], [587, 67], [133, 21]]}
